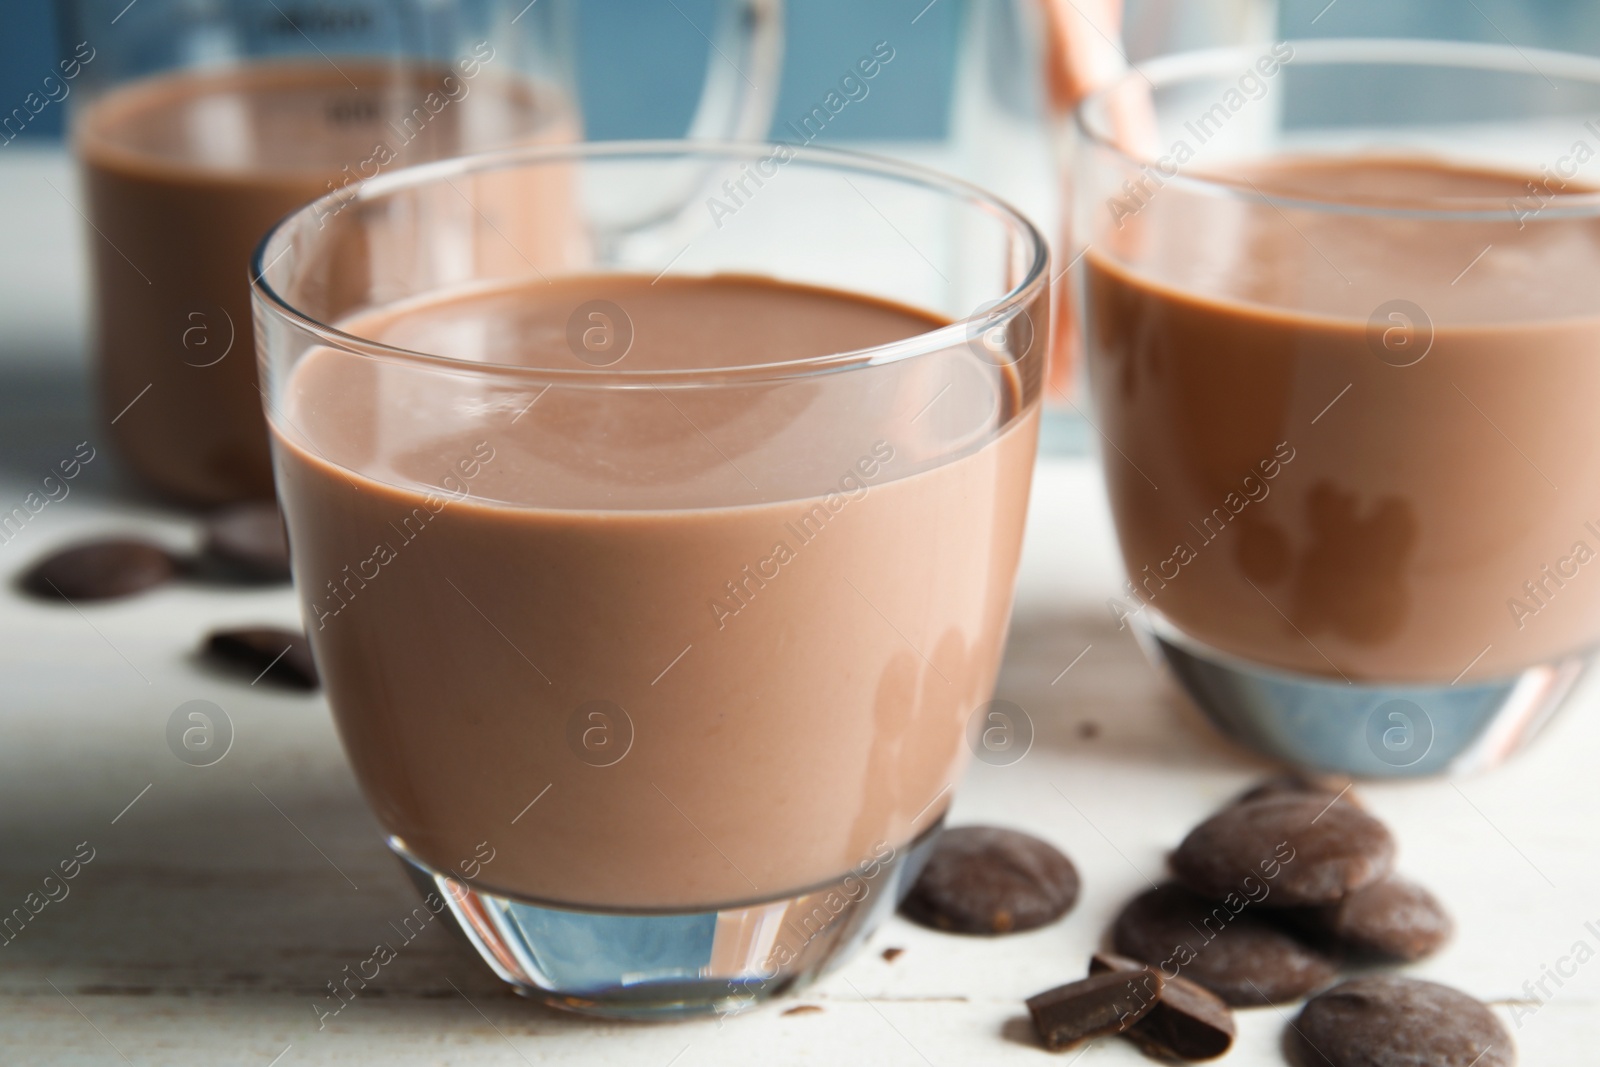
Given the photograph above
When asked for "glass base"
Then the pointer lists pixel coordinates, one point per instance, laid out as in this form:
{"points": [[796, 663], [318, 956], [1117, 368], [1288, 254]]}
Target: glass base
{"points": [[640, 965], [1370, 731]]}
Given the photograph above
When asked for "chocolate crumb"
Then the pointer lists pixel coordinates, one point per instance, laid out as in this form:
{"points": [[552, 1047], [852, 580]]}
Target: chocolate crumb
{"points": [[1107, 1003]]}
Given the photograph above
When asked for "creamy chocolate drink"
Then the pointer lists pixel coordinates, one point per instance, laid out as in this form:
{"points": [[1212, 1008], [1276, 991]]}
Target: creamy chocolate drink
{"points": [[659, 648], [1348, 443], [184, 173]]}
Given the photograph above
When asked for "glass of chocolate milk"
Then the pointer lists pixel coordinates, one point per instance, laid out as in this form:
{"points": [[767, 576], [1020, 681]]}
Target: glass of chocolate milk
{"points": [[1341, 312], [656, 563], [198, 125]]}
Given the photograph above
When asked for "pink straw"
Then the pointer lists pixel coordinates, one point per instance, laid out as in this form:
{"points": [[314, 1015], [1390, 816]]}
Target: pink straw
{"points": [[1083, 56]]}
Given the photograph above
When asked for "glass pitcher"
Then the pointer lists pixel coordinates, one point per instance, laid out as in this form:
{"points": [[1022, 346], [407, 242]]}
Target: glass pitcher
{"points": [[1010, 130]]}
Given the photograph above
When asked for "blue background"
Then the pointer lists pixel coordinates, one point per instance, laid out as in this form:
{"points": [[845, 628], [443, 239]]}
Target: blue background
{"points": [[641, 61]]}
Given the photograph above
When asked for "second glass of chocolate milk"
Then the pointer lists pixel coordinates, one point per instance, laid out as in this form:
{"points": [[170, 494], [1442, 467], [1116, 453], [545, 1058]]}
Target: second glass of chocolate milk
{"points": [[199, 125], [1341, 313]]}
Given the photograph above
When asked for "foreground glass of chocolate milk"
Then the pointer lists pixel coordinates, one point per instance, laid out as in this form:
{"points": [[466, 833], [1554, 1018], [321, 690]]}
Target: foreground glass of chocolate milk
{"points": [[1341, 311], [199, 126], [657, 565]]}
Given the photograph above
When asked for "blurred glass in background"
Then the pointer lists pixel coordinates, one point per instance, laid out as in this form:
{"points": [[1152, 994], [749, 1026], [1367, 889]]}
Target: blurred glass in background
{"points": [[959, 84]]}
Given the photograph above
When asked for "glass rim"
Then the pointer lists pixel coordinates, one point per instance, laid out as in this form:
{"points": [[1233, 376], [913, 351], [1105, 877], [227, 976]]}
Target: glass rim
{"points": [[957, 332], [1479, 56]]}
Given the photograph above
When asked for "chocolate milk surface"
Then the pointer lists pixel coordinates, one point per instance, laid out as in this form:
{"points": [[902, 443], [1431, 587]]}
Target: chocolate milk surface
{"points": [[725, 642]]}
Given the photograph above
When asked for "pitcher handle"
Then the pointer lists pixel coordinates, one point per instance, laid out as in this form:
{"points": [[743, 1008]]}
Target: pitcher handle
{"points": [[742, 72]]}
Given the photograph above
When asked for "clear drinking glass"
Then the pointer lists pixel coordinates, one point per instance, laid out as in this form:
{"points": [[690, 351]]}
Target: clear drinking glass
{"points": [[200, 123], [654, 652], [1340, 302]]}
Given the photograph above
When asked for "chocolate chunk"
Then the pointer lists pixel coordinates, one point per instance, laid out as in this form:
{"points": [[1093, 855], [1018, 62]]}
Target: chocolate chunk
{"points": [[282, 656], [891, 954], [1228, 947], [1095, 1006], [1188, 1021], [1329, 785], [803, 1009], [1392, 919], [1383, 1021], [100, 570], [250, 538], [1305, 847], [988, 880]]}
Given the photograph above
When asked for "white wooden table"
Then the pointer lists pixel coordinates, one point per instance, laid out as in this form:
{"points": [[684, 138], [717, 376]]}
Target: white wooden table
{"points": [[220, 900]]}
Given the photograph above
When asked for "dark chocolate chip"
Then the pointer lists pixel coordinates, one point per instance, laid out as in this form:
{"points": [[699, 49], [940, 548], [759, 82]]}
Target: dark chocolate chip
{"points": [[250, 538], [892, 954], [1095, 1006], [1384, 1021], [1392, 919], [1188, 1021], [1228, 947], [988, 880], [100, 570], [1329, 785], [1306, 847], [803, 1009], [282, 656]]}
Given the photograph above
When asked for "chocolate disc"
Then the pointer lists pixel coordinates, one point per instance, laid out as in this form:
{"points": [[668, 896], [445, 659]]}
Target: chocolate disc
{"points": [[1231, 949], [1392, 919], [1385, 1021], [100, 570], [250, 538], [988, 880], [1328, 785], [1306, 848], [267, 654]]}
